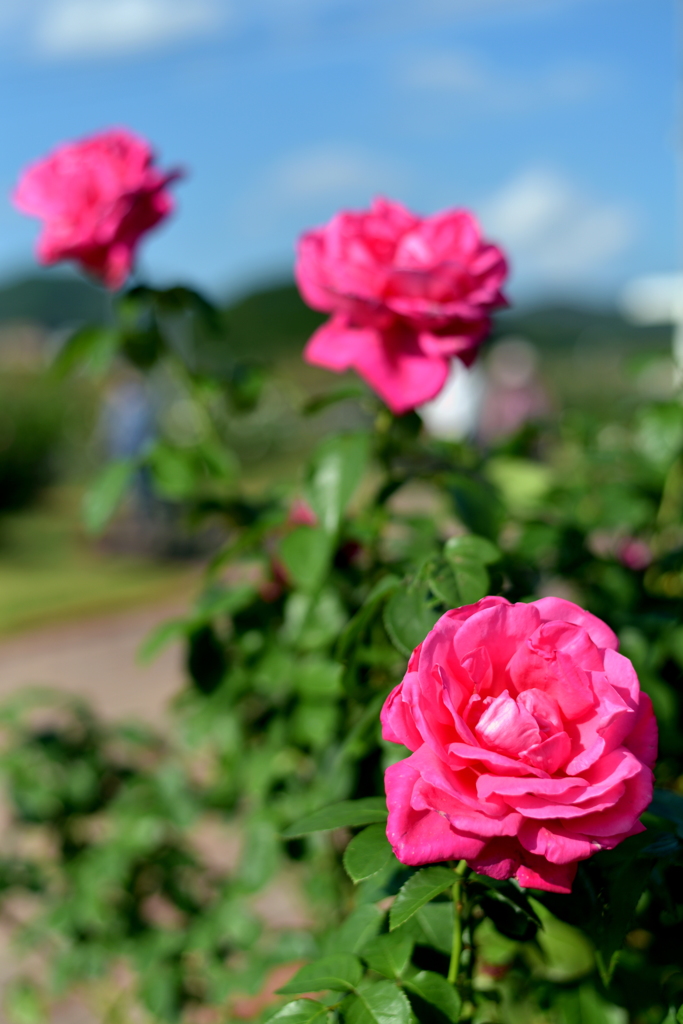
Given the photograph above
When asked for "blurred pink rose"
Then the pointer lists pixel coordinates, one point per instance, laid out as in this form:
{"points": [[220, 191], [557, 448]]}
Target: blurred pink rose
{"points": [[301, 514], [97, 197], [406, 294], [634, 553], [532, 744]]}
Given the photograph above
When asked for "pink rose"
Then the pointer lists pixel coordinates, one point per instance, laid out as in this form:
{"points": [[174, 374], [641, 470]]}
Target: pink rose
{"points": [[634, 553], [301, 514], [532, 744], [406, 294], [97, 197]]}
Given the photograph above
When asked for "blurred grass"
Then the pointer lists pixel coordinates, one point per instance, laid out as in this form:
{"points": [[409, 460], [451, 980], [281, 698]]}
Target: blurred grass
{"points": [[49, 572]]}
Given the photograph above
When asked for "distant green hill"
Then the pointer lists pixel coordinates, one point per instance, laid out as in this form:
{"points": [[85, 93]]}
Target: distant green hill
{"points": [[558, 327], [52, 300], [272, 322], [275, 321]]}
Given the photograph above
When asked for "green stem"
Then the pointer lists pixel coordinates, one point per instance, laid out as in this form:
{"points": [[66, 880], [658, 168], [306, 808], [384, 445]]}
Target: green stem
{"points": [[456, 948]]}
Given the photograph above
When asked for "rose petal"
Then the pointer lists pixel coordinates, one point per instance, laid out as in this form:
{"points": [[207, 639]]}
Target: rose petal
{"points": [[539, 873]]}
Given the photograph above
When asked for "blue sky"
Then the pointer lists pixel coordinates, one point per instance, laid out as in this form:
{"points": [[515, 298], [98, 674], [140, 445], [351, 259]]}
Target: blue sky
{"points": [[555, 120]]}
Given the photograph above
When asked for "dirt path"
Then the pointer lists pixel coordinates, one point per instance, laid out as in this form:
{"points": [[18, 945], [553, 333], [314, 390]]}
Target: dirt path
{"points": [[96, 659]]}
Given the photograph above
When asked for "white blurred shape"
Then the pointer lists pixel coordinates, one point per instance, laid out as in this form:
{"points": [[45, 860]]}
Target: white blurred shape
{"points": [[513, 362], [454, 413], [658, 299], [68, 28], [655, 299]]}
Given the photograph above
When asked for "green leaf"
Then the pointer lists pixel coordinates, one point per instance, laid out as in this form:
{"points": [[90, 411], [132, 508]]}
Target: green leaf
{"points": [[422, 887], [260, 856], [508, 908], [435, 921], [174, 472], [362, 619], [568, 954], [341, 972], [316, 678], [91, 349], [337, 468], [668, 805], [301, 1011], [106, 494], [360, 927], [319, 402], [219, 600], [477, 504], [467, 558], [626, 873], [24, 1002], [443, 584], [522, 483], [347, 814], [367, 853], [306, 553], [160, 637], [313, 621], [434, 989], [378, 1002], [389, 954], [583, 1005], [408, 617], [477, 549]]}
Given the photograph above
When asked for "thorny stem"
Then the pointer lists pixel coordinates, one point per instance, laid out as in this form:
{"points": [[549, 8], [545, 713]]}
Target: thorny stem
{"points": [[456, 948]]}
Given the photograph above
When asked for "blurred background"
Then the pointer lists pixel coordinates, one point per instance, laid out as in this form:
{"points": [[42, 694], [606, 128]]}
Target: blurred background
{"points": [[555, 120]]}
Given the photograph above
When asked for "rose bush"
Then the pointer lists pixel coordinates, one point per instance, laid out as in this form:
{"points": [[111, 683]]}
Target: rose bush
{"points": [[406, 294], [97, 198], [533, 746]]}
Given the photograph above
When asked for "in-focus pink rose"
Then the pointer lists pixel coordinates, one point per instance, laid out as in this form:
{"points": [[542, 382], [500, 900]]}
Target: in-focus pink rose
{"points": [[406, 294], [97, 198], [532, 743]]}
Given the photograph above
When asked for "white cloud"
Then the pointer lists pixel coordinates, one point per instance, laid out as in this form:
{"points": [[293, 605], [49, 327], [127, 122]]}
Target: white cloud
{"points": [[75, 28], [555, 232], [78, 28], [466, 75], [309, 185], [327, 172]]}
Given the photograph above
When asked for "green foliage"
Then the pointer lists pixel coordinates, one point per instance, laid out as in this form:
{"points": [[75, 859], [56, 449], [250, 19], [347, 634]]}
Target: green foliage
{"points": [[378, 1002], [341, 972], [367, 853], [347, 814], [298, 634], [422, 887], [302, 1011], [107, 493], [35, 416], [433, 989]]}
